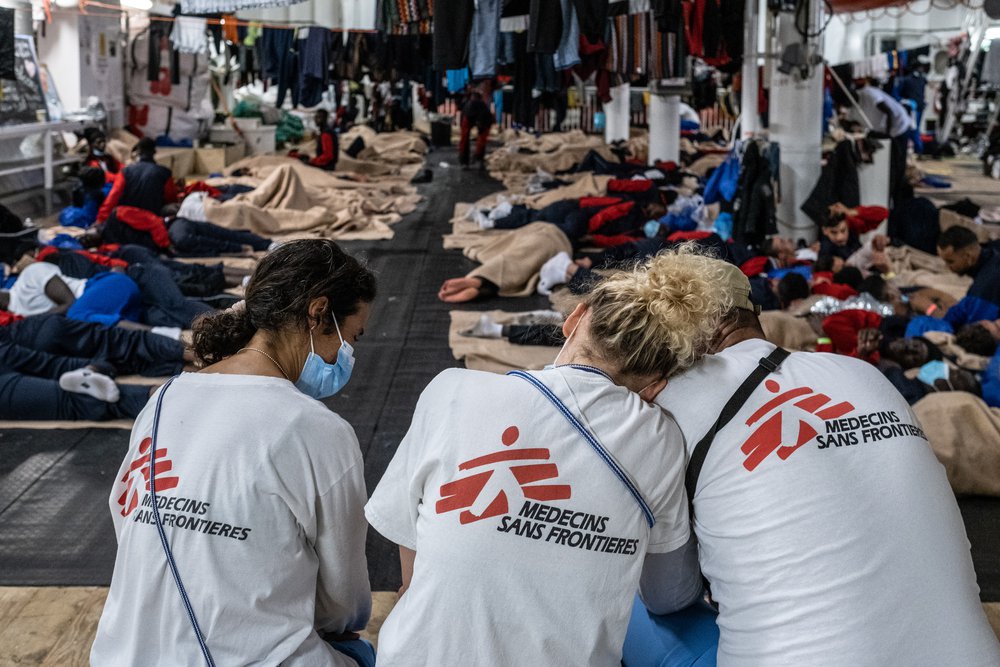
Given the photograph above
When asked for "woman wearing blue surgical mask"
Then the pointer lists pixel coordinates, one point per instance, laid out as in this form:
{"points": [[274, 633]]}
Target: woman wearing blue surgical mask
{"points": [[255, 551]]}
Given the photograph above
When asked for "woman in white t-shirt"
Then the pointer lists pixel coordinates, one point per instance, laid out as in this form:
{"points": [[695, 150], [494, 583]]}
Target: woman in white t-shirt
{"points": [[524, 504], [259, 487]]}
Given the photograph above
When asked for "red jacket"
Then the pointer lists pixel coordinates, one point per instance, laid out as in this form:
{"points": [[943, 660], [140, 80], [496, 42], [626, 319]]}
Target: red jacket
{"points": [[842, 328], [836, 290], [111, 201], [95, 258], [867, 219], [145, 221]]}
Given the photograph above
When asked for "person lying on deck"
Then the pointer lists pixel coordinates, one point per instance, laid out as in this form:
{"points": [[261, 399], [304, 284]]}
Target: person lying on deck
{"points": [[111, 298]]}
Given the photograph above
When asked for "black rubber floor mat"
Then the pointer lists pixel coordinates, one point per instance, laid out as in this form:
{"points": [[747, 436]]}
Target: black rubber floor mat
{"points": [[982, 523], [54, 519]]}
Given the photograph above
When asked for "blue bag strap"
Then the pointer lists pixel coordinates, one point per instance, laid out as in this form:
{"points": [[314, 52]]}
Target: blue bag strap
{"points": [[592, 441], [163, 536]]}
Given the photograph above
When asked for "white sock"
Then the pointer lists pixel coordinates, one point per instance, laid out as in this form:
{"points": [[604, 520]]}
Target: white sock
{"points": [[483, 221], [90, 382], [484, 328], [502, 210], [169, 332], [553, 273]]}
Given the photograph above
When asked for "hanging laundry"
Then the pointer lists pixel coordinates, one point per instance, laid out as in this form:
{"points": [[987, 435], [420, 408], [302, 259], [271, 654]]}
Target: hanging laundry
{"points": [[452, 23], [484, 39], [230, 6], [6, 43], [314, 64], [544, 26], [568, 54], [279, 62], [189, 34], [458, 79]]}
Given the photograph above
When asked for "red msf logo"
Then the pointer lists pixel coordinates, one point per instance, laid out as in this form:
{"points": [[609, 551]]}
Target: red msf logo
{"points": [[487, 493], [129, 499], [796, 423]]}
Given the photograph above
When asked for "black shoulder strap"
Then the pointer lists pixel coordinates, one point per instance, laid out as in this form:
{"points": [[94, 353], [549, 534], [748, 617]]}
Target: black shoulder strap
{"points": [[765, 367]]}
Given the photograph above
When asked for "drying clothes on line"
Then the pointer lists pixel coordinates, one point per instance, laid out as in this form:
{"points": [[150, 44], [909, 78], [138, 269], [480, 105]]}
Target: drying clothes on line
{"points": [[314, 65], [458, 79], [630, 45], [6, 43], [279, 62], [230, 6], [189, 34], [568, 53], [544, 26], [452, 23], [485, 38]]}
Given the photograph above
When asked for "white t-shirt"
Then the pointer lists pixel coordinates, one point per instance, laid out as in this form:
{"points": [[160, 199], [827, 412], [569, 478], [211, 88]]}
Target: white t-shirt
{"points": [[842, 546], [27, 296], [689, 114], [869, 97], [529, 548], [261, 496]]}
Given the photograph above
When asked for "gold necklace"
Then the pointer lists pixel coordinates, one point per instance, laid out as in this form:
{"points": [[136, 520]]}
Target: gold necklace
{"points": [[273, 361]]}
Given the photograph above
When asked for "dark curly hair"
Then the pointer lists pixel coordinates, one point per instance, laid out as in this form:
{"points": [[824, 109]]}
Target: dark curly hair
{"points": [[285, 282]]}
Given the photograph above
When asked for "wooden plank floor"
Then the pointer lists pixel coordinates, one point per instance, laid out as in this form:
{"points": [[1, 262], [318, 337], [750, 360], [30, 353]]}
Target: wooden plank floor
{"points": [[55, 626]]}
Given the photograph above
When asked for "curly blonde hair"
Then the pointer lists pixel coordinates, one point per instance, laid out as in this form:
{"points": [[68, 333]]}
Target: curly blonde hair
{"points": [[661, 316]]}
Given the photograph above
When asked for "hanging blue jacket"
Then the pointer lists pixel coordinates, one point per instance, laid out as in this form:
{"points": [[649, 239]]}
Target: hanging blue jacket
{"points": [[722, 184]]}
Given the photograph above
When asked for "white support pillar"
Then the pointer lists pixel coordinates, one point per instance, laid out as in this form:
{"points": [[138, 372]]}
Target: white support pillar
{"points": [[616, 115], [796, 118], [664, 118], [749, 123]]}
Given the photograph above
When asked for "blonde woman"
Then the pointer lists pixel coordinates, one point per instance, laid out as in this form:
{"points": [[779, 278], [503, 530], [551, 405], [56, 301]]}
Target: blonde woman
{"points": [[524, 505]]}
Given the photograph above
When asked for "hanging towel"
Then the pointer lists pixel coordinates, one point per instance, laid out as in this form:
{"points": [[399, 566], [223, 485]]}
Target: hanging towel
{"points": [[189, 34]]}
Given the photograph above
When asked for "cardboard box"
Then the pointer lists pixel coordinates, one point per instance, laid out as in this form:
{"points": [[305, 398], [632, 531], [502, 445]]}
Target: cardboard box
{"points": [[261, 141], [180, 161], [214, 159]]}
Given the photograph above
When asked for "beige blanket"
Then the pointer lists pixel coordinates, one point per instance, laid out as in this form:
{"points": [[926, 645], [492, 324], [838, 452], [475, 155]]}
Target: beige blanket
{"points": [[554, 152], [293, 200], [984, 233], [792, 333], [465, 232], [965, 435], [951, 350], [915, 268], [496, 355], [512, 260]]}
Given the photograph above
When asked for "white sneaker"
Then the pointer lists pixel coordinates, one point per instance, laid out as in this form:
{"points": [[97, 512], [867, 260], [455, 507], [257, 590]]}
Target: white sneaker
{"points": [[484, 328], [553, 273], [483, 221], [502, 210], [90, 382]]}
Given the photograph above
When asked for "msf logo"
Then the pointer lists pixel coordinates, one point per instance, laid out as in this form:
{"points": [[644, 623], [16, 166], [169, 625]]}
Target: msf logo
{"points": [[129, 499], [500, 479], [788, 421]]}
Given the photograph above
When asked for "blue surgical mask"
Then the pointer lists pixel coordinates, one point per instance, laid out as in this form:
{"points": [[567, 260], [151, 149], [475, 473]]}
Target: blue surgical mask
{"points": [[320, 379], [933, 371]]}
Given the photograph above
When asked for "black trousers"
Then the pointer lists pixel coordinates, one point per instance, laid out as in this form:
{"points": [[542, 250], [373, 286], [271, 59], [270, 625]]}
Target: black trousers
{"points": [[452, 24], [164, 303], [26, 397], [57, 344], [536, 334], [898, 188]]}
